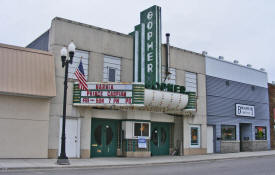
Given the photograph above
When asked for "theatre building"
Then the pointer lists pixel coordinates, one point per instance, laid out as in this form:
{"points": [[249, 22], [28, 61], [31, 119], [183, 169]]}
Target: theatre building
{"points": [[237, 107], [144, 98]]}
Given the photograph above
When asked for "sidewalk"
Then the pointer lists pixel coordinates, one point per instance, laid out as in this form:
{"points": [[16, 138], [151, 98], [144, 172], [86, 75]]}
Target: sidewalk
{"points": [[20, 164]]}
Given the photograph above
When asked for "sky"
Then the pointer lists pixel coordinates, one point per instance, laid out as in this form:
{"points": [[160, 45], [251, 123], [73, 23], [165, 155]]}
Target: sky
{"points": [[242, 30]]}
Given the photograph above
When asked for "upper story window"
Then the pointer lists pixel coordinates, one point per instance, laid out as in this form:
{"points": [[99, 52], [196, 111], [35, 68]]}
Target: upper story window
{"points": [[171, 78], [111, 72], [190, 82], [112, 75], [79, 54]]}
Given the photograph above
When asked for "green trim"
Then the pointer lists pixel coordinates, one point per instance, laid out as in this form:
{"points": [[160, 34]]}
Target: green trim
{"points": [[135, 120]]}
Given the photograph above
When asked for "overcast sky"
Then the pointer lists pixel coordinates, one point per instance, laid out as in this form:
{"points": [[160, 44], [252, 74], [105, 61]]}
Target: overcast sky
{"points": [[236, 29]]}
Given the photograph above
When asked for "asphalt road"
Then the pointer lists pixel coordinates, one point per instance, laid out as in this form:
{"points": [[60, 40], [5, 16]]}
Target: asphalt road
{"points": [[245, 166]]}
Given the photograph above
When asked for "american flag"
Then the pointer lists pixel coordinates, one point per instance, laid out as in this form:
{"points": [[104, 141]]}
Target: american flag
{"points": [[80, 75]]}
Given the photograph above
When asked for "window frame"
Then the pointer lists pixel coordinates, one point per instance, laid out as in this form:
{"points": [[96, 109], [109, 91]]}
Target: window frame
{"points": [[235, 127], [79, 54], [111, 62], [149, 130], [198, 127], [196, 75]]}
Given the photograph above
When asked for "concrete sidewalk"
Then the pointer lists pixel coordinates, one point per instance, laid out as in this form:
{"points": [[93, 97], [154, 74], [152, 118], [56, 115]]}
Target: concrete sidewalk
{"points": [[21, 164]]}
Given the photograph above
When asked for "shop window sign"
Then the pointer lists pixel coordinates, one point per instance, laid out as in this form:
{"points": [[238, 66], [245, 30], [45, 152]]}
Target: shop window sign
{"points": [[142, 142], [260, 133]]}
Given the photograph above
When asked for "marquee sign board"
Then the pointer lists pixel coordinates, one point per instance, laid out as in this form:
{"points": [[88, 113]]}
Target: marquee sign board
{"points": [[245, 110], [104, 94]]}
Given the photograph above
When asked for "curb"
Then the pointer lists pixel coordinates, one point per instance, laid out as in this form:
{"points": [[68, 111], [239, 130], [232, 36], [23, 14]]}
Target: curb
{"points": [[33, 168]]}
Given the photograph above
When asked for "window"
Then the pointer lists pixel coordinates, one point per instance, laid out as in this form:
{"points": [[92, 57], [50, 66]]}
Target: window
{"points": [[141, 129], [97, 135], [228, 132], [155, 137], [112, 75], [260, 133], [163, 136], [79, 54], [195, 136], [111, 72], [190, 82], [171, 78], [109, 135]]}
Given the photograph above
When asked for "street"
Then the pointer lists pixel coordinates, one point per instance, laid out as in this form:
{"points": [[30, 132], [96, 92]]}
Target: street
{"points": [[243, 166]]}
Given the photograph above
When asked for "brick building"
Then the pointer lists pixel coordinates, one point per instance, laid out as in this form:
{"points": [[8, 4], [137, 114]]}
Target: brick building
{"points": [[271, 92]]}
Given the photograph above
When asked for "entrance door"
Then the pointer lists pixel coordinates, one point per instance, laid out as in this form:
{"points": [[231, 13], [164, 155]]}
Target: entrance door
{"points": [[160, 138], [72, 138], [210, 140], [104, 138], [245, 131]]}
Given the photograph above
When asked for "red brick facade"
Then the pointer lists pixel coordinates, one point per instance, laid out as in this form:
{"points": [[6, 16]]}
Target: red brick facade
{"points": [[271, 92]]}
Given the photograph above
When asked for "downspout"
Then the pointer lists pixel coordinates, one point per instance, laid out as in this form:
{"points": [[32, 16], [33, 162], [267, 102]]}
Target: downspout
{"points": [[167, 57]]}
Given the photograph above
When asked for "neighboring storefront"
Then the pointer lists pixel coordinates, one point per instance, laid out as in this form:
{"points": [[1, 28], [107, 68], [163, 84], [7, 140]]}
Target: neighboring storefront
{"points": [[237, 107], [141, 101], [271, 93], [27, 85]]}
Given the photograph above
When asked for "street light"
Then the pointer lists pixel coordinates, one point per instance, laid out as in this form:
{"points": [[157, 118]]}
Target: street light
{"points": [[63, 159]]}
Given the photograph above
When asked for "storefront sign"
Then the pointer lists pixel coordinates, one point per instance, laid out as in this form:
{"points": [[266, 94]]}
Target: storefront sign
{"points": [[109, 94], [151, 19], [166, 87], [147, 47], [142, 142], [245, 110]]}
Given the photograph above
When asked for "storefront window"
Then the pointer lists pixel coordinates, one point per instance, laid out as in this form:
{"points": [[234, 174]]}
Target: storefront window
{"points": [[141, 129], [260, 133], [228, 132], [195, 136]]}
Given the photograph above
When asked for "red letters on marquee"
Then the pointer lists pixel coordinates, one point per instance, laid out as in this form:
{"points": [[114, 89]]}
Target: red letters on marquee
{"points": [[104, 86], [100, 100]]}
